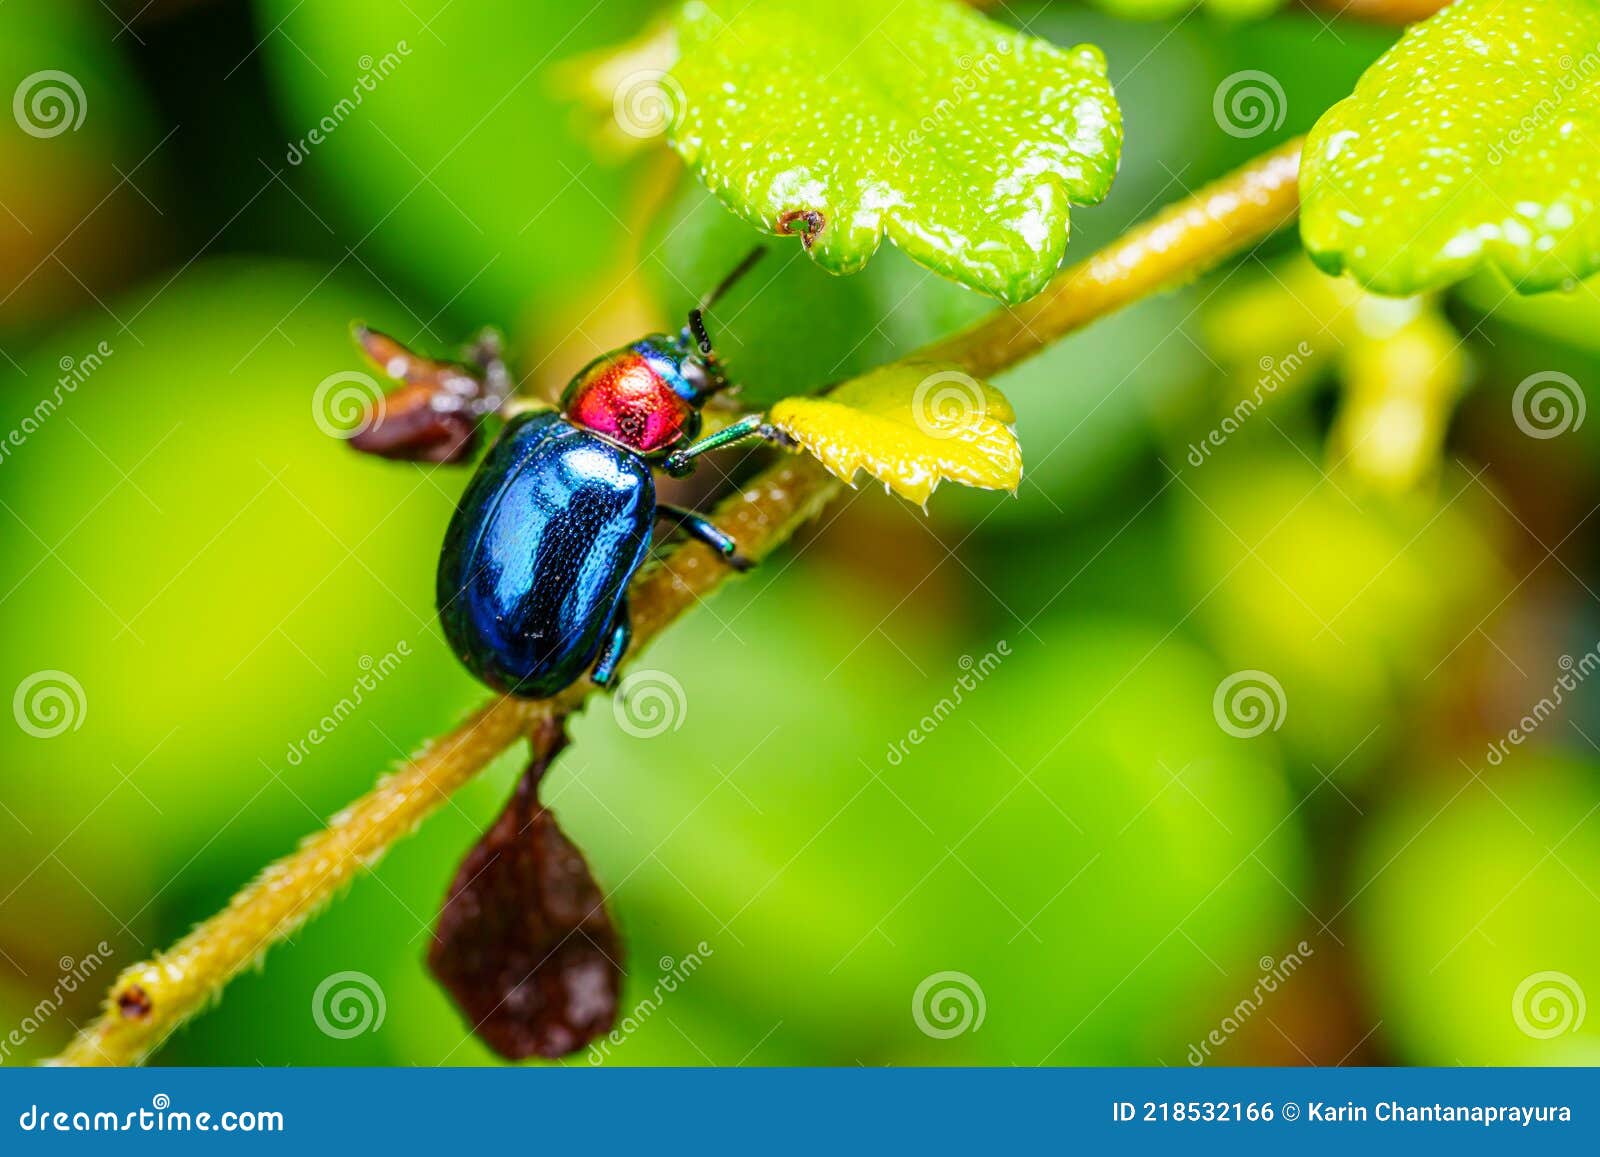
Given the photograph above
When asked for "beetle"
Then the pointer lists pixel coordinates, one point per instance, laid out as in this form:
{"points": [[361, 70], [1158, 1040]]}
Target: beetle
{"points": [[534, 571]]}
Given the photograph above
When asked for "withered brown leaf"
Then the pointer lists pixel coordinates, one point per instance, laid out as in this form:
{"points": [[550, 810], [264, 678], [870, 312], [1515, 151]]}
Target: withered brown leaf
{"points": [[524, 944], [409, 429], [431, 417]]}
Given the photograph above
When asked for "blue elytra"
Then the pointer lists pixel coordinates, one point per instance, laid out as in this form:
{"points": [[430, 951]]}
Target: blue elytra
{"points": [[534, 574]]}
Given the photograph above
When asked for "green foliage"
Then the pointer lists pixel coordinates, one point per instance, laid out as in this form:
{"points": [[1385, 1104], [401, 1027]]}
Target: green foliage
{"points": [[1088, 419], [1161, 9], [1351, 601], [217, 574], [461, 168], [1476, 917], [962, 141], [834, 872], [1470, 143], [1571, 317], [1082, 815], [80, 123], [1083, 793]]}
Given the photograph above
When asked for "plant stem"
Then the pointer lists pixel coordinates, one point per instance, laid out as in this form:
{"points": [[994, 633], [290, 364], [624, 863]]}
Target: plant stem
{"points": [[1178, 244], [149, 1000]]}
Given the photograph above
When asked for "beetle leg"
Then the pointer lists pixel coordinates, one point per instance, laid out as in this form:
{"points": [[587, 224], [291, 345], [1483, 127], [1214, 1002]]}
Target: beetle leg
{"points": [[681, 462], [701, 528], [616, 646]]}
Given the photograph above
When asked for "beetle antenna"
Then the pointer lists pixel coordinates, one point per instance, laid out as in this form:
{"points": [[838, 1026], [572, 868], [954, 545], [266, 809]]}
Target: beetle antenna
{"points": [[729, 281], [696, 329]]}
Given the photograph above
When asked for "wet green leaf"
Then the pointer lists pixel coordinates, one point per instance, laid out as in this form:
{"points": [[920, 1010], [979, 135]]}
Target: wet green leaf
{"points": [[1472, 142], [961, 140], [850, 325]]}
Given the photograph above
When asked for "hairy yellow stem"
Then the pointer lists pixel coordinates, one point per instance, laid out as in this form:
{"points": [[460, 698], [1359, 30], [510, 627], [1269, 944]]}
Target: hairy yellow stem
{"points": [[150, 999]]}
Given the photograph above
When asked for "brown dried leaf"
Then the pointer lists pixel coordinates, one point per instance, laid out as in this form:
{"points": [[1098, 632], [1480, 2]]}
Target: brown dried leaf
{"points": [[407, 427], [429, 419], [524, 944]]}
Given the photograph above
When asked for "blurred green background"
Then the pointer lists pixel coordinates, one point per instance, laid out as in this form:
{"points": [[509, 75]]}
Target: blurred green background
{"points": [[1116, 871]]}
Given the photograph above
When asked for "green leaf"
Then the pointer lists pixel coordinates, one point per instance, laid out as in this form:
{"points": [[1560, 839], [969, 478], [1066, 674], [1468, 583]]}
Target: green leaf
{"points": [[846, 120], [850, 325], [911, 425], [1474, 141]]}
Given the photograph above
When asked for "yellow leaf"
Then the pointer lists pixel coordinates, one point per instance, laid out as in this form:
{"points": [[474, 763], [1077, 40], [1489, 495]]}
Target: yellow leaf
{"points": [[910, 425]]}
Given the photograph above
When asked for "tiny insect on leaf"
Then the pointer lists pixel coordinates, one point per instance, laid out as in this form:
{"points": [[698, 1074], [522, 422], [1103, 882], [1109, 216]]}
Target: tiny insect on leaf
{"points": [[842, 122]]}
